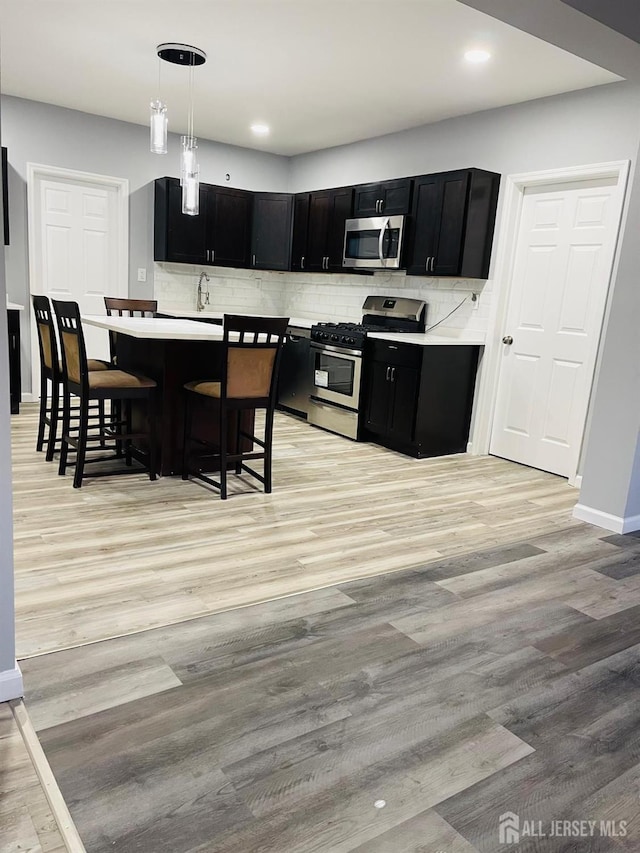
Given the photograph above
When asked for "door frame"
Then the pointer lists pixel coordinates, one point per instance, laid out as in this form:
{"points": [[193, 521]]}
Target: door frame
{"points": [[37, 172], [513, 197]]}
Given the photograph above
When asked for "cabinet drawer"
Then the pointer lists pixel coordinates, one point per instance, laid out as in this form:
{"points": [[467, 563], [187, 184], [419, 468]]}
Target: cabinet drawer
{"points": [[402, 355]]}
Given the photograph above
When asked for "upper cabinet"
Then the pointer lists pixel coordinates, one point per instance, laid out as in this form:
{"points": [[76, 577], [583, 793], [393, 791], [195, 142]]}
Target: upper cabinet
{"points": [[5, 194], [389, 198], [271, 231], [318, 232], [452, 222], [220, 234]]}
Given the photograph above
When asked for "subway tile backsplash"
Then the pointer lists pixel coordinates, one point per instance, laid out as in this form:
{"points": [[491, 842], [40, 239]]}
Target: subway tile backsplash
{"points": [[318, 296]]}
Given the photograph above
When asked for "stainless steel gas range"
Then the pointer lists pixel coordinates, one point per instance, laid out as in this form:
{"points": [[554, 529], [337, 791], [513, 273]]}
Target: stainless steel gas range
{"points": [[336, 359]]}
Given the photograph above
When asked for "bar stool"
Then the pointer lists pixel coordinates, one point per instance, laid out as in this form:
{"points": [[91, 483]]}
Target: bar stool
{"points": [[250, 361], [117, 307], [51, 372], [87, 385]]}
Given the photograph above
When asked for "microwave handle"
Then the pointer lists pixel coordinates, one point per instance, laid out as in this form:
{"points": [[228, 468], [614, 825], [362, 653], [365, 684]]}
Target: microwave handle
{"points": [[381, 239]]}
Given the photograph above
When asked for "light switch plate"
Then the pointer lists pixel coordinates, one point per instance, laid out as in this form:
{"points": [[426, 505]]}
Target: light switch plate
{"points": [[142, 274]]}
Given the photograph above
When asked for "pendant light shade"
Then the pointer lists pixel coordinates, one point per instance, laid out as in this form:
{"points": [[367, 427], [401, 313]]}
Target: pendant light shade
{"points": [[190, 176], [180, 54], [158, 126]]}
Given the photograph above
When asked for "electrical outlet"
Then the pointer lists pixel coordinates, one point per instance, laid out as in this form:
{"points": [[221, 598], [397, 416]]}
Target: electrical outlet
{"points": [[142, 274], [475, 301]]}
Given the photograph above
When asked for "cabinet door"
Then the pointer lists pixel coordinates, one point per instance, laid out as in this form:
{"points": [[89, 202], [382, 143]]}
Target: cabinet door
{"points": [[425, 219], [341, 205], [318, 228], [453, 206], [300, 229], [404, 382], [396, 197], [271, 231], [366, 200], [378, 399], [178, 237], [229, 227]]}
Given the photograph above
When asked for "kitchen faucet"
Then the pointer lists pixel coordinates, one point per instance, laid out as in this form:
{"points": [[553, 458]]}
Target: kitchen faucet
{"points": [[200, 303]]}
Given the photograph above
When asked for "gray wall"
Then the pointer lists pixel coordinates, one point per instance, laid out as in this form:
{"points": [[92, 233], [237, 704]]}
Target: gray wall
{"points": [[594, 125], [49, 135]]}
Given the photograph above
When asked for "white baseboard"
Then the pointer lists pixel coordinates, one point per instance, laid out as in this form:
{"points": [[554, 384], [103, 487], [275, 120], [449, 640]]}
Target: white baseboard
{"points": [[11, 684], [616, 523], [28, 397]]}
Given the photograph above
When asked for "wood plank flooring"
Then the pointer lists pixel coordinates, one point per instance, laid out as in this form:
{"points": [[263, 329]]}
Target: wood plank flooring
{"points": [[123, 554], [402, 713]]}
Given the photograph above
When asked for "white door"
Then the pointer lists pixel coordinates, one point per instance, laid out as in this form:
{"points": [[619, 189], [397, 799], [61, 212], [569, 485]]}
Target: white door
{"points": [[562, 267], [78, 239]]}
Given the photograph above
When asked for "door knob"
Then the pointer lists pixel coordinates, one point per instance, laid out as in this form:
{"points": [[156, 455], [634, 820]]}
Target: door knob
{"points": [[508, 340]]}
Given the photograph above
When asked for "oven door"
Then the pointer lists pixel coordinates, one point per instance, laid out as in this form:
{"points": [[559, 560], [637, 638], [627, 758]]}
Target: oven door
{"points": [[373, 243], [336, 374]]}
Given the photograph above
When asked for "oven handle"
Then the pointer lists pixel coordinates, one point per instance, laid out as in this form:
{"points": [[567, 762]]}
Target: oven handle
{"points": [[383, 228], [339, 350]]}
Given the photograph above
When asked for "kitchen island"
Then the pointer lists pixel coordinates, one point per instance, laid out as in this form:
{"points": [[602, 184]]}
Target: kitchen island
{"points": [[171, 352]]}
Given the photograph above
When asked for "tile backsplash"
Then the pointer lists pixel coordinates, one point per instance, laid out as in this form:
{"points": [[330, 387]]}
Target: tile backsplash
{"points": [[321, 297]]}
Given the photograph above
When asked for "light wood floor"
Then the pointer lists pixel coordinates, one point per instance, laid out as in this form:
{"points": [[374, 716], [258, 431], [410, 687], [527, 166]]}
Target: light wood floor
{"points": [[124, 554]]}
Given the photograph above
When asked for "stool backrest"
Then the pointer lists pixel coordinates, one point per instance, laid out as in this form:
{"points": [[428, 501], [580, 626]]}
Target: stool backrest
{"points": [[252, 347], [74, 354], [47, 342], [117, 307], [130, 307]]}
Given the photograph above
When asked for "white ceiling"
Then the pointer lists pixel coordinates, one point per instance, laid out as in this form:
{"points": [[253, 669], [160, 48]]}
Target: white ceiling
{"points": [[319, 72]]}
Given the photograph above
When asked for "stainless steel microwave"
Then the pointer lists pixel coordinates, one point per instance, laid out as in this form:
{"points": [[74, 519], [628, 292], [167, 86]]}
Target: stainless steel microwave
{"points": [[373, 243]]}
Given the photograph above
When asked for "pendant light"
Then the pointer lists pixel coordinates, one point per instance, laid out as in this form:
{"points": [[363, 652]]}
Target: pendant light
{"points": [[158, 121], [181, 54]]}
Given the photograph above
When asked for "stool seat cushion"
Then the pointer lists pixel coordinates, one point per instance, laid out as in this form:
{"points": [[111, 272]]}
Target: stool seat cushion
{"points": [[118, 379], [204, 387], [92, 364]]}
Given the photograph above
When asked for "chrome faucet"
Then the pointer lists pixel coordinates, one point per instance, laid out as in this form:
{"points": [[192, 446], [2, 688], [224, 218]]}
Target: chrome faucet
{"points": [[200, 302]]}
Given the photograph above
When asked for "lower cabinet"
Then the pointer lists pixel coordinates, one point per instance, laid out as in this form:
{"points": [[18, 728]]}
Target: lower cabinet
{"points": [[13, 323], [417, 399]]}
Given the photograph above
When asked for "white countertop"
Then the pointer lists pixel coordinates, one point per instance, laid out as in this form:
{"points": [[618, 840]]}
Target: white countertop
{"points": [[157, 328], [300, 322], [13, 306], [426, 339]]}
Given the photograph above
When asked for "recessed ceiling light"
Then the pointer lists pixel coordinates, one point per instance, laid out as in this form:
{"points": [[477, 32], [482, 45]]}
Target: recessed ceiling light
{"points": [[477, 56], [260, 129]]}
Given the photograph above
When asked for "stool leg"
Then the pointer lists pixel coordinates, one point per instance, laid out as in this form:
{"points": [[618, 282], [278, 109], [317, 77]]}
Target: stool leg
{"points": [[268, 443], [43, 411], [223, 452], [238, 441], [103, 423], [82, 442], [53, 420], [66, 427]]}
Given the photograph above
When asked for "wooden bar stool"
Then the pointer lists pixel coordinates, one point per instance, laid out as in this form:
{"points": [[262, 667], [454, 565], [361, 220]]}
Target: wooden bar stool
{"points": [[51, 372], [88, 385], [250, 361], [117, 307]]}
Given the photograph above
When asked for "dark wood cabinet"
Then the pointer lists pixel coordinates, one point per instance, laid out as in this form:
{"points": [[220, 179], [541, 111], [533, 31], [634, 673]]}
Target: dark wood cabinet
{"points": [[271, 231], [418, 399], [5, 194], [228, 226], [15, 380], [318, 230], [389, 198], [220, 234], [452, 222]]}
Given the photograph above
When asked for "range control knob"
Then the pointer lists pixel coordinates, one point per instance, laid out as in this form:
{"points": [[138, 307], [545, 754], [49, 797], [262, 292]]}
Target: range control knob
{"points": [[334, 337]]}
